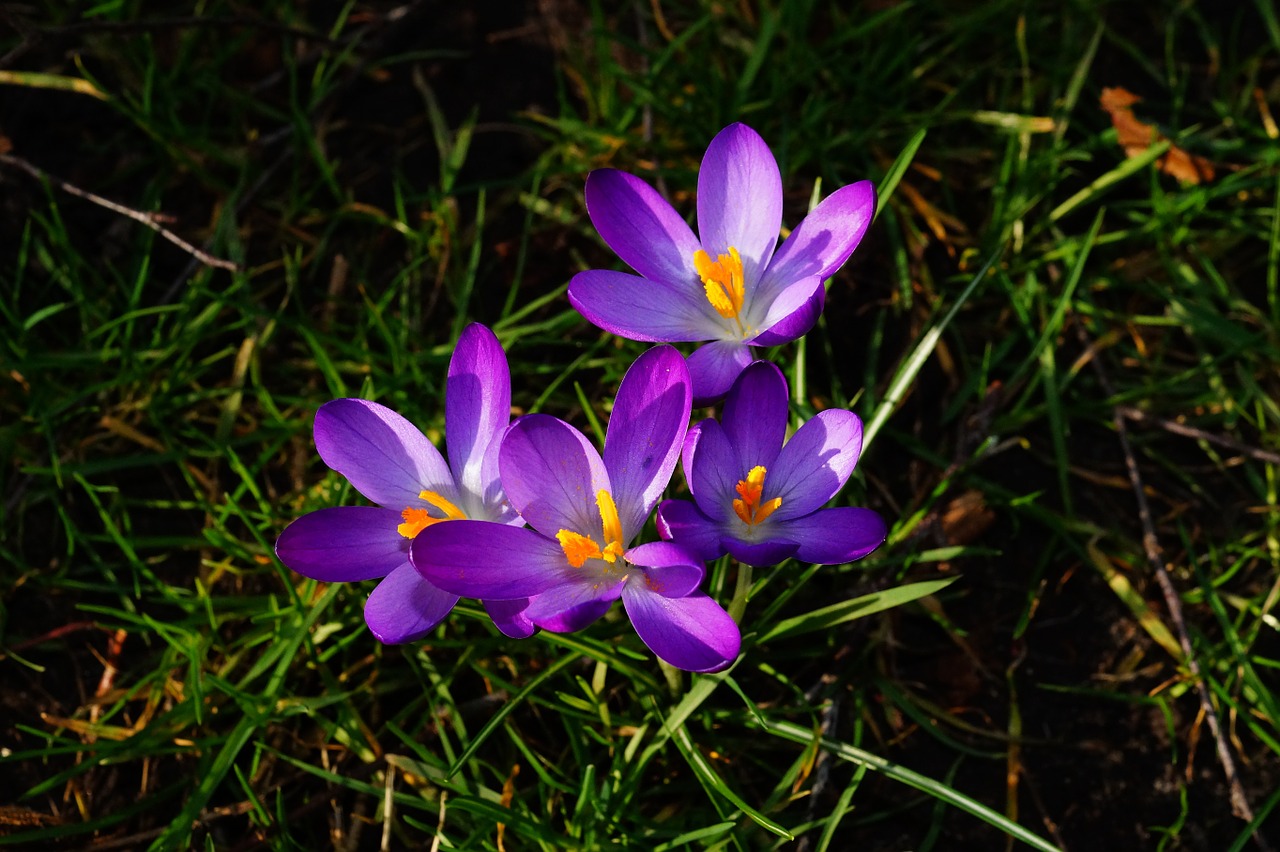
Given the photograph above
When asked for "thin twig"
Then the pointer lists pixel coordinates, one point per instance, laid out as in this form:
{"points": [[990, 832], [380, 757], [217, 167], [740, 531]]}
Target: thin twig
{"points": [[1140, 416], [1151, 545], [151, 220]]}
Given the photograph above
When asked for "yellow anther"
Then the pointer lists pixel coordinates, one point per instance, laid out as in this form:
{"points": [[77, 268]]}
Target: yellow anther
{"points": [[749, 508], [577, 548], [612, 526], [416, 520], [722, 281]]}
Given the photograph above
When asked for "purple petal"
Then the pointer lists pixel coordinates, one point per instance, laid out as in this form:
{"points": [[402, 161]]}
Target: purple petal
{"points": [[761, 554], [551, 474], [836, 536], [487, 560], [792, 313], [815, 463], [824, 239], [740, 199], [572, 606], [640, 226], [510, 617], [647, 426], [691, 633], [713, 368], [755, 415], [477, 408], [344, 544], [383, 455], [683, 522], [648, 309], [712, 470], [405, 607], [671, 570]]}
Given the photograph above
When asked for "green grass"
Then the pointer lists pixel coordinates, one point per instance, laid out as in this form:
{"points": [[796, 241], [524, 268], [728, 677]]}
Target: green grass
{"points": [[1004, 673]]}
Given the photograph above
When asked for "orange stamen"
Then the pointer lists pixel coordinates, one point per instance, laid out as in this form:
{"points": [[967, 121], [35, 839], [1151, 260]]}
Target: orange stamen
{"points": [[416, 520], [722, 281], [749, 509], [579, 548]]}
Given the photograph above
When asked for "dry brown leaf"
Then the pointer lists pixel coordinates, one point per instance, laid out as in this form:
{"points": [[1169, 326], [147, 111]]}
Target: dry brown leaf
{"points": [[1136, 137]]}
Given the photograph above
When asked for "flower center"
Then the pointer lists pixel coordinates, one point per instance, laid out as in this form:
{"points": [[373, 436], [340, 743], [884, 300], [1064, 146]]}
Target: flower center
{"points": [[749, 508], [722, 281], [579, 548], [416, 520]]}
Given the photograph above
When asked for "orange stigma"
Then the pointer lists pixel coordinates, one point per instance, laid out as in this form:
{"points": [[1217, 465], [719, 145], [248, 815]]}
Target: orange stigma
{"points": [[749, 508], [416, 520], [722, 281], [579, 548]]}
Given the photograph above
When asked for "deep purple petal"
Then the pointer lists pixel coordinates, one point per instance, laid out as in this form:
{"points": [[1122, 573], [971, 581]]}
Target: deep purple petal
{"points": [[405, 607], [740, 199], [383, 455], [815, 463], [691, 633], [761, 554], [713, 368], [647, 426], [572, 606], [670, 569], [510, 617], [683, 522], [648, 309], [792, 313], [344, 544], [552, 474], [487, 560], [836, 536], [755, 415], [824, 239], [640, 226], [477, 408], [712, 471]]}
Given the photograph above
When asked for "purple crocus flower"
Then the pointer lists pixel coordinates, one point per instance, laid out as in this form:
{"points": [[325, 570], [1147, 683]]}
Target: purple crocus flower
{"points": [[392, 463], [760, 501], [584, 512], [726, 285]]}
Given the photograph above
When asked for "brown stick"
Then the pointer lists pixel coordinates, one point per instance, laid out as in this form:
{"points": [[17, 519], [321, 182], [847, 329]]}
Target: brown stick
{"points": [[148, 219], [1151, 545]]}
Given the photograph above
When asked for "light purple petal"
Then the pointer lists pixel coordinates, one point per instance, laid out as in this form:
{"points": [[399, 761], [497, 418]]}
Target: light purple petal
{"points": [[691, 633], [761, 554], [755, 415], [551, 474], [647, 426], [740, 199], [404, 607], [815, 463], [713, 368], [640, 226], [712, 471], [824, 239], [648, 309], [344, 544], [836, 536], [510, 618], [670, 569], [683, 522], [383, 455], [487, 560], [572, 606], [793, 313], [477, 408]]}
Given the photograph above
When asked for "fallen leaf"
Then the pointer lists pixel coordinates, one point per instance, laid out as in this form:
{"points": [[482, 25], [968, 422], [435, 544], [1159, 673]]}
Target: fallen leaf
{"points": [[1136, 137]]}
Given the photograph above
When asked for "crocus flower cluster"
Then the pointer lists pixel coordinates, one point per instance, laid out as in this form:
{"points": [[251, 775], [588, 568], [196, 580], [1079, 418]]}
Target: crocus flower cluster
{"points": [[530, 518]]}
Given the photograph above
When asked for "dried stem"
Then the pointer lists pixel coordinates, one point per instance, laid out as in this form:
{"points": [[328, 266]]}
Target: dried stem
{"points": [[151, 220]]}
